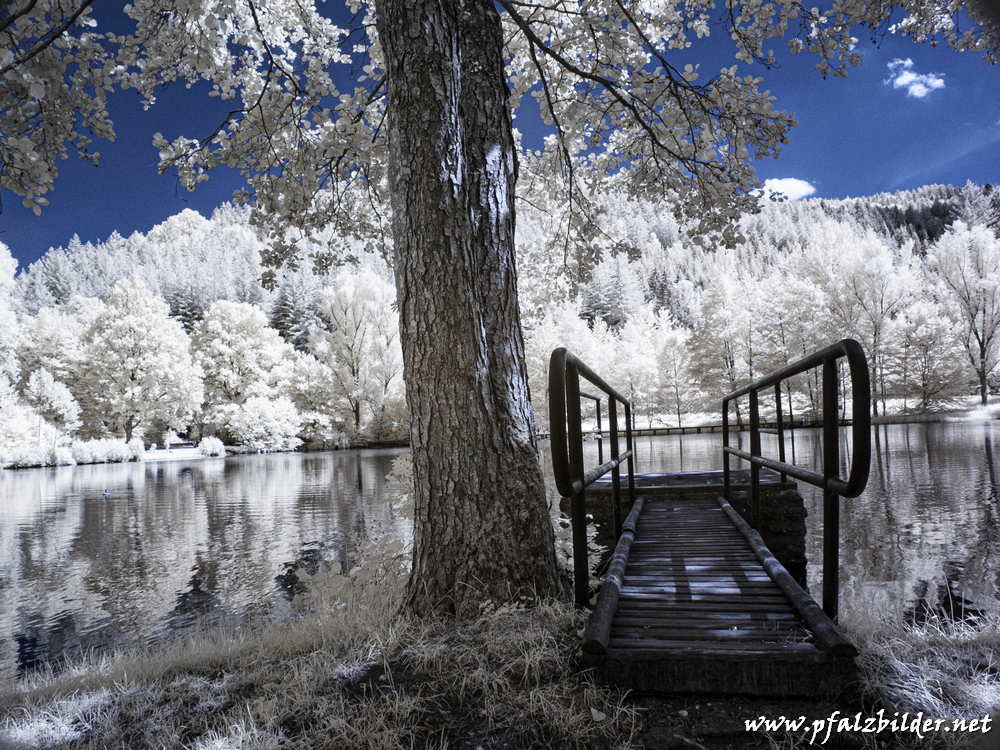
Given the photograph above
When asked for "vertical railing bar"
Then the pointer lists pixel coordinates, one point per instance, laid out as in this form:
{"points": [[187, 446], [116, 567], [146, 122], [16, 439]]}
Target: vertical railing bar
{"points": [[631, 456], [725, 453], [578, 518], [616, 481], [781, 429], [600, 433], [831, 501], [754, 451]]}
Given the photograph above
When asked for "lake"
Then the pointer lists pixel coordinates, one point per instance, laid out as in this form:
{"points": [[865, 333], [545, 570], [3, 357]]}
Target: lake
{"points": [[176, 543], [173, 543]]}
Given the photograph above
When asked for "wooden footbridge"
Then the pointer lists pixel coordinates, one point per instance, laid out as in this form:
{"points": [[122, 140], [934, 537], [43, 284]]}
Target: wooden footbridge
{"points": [[692, 599]]}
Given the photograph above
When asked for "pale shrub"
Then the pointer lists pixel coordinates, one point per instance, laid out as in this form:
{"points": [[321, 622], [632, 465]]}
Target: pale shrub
{"points": [[63, 456], [211, 446], [267, 424], [102, 451], [27, 456], [137, 449], [83, 451], [21, 457]]}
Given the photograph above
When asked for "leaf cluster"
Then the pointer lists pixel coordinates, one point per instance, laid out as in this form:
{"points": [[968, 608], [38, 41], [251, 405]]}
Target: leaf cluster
{"points": [[619, 81]]}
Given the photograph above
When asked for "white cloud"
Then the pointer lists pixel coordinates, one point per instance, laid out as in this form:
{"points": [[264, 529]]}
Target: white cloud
{"points": [[791, 187], [917, 85]]}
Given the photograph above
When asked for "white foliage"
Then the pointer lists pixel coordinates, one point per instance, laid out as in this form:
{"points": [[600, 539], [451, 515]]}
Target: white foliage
{"points": [[323, 412], [54, 339], [967, 262], [18, 423], [615, 292], [139, 366], [635, 372], [211, 446], [261, 423], [675, 391], [362, 351], [561, 327], [52, 400], [188, 261], [9, 333], [240, 357], [926, 358], [137, 449], [102, 451]]}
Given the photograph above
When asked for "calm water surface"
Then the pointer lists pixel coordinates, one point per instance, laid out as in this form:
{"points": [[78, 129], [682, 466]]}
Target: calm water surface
{"points": [[173, 543], [218, 539]]}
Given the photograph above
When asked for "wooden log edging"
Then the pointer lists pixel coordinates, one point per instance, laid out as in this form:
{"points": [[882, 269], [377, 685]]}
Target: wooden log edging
{"points": [[598, 633], [827, 634]]}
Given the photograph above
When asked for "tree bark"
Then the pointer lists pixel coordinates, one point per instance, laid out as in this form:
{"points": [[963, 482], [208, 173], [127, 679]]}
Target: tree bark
{"points": [[481, 528]]}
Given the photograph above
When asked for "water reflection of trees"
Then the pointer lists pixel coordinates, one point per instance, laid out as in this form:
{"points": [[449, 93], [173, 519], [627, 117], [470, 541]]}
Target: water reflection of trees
{"points": [[925, 527], [172, 542], [925, 537]]}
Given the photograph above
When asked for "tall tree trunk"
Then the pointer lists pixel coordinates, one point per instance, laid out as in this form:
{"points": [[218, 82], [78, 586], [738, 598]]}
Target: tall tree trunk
{"points": [[873, 381], [983, 372], [481, 526]]}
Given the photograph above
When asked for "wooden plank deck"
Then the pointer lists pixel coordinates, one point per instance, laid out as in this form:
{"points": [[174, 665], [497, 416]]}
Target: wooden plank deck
{"points": [[698, 612]]}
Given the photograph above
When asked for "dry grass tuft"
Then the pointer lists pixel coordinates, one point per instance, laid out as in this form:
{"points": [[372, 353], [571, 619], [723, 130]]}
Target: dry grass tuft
{"points": [[515, 666], [355, 674], [942, 667], [945, 668]]}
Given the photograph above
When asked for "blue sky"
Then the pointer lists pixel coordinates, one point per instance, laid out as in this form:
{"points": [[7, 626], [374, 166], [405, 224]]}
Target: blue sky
{"points": [[908, 116]]}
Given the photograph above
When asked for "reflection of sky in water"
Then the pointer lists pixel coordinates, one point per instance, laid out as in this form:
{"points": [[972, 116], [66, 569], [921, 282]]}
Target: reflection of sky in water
{"points": [[173, 543], [927, 523]]}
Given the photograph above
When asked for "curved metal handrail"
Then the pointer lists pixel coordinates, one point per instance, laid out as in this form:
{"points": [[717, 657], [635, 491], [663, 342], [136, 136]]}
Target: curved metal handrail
{"points": [[857, 478], [830, 481], [566, 435]]}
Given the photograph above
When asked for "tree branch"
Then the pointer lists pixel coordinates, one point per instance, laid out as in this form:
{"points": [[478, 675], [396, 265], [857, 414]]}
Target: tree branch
{"points": [[44, 43], [610, 86]]}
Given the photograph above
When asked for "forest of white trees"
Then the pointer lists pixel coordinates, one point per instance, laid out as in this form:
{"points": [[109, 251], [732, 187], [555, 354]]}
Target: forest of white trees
{"points": [[173, 330]]}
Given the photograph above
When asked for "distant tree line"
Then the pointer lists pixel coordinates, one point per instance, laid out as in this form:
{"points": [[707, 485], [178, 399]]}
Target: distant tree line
{"points": [[174, 329], [914, 276]]}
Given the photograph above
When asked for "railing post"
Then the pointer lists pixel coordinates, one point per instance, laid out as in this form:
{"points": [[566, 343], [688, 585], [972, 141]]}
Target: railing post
{"points": [[616, 480], [781, 428], [754, 451], [631, 456], [831, 500], [600, 432], [725, 453], [578, 507]]}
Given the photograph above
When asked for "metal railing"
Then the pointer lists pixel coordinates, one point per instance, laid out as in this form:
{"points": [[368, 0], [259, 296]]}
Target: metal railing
{"points": [[833, 486], [565, 371]]}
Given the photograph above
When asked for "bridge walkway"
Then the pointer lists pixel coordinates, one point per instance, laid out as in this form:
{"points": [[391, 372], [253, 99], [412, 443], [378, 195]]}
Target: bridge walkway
{"points": [[701, 608], [693, 600]]}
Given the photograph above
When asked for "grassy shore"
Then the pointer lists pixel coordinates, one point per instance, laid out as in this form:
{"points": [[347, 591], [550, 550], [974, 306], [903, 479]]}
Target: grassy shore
{"points": [[941, 666], [356, 674], [353, 671]]}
